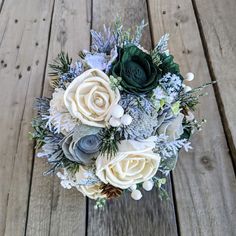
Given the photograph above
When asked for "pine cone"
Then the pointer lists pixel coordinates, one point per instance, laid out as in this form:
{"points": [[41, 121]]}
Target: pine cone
{"points": [[111, 191]]}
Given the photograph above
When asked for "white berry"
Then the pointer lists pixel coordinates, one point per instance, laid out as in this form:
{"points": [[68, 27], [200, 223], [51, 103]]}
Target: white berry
{"points": [[189, 76], [117, 111], [133, 187], [148, 185], [187, 89], [126, 119], [136, 194], [114, 122]]}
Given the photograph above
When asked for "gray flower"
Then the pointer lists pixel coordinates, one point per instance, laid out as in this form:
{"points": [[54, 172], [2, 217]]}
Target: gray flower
{"points": [[173, 128], [82, 144], [146, 119]]}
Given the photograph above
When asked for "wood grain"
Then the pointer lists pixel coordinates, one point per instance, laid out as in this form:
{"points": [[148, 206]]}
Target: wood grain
{"points": [[124, 216], [217, 20], [204, 181], [54, 210], [21, 71]]}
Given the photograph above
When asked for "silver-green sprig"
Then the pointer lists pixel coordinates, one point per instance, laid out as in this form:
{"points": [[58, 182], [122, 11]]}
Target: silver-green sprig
{"points": [[115, 83]]}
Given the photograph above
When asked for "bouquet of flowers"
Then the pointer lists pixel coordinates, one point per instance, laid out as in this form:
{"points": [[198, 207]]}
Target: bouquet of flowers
{"points": [[118, 116]]}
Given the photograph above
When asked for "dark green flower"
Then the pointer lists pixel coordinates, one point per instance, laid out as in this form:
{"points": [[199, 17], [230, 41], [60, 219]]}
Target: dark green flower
{"points": [[135, 67], [168, 64]]}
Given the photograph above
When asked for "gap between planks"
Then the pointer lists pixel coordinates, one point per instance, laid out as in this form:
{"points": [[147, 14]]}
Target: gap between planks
{"points": [[1, 5], [120, 216], [220, 104], [41, 94], [204, 179], [53, 209], [171, 174], [19, 75]]}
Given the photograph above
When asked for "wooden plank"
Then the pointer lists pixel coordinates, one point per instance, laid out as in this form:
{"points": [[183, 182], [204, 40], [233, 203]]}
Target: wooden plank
{"points": [[54, 210], [219, 33], [23, 50], [124, 216], [204, 181]]}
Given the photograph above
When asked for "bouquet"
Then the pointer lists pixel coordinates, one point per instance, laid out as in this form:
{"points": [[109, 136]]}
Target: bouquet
{"points": [[118, 116]]}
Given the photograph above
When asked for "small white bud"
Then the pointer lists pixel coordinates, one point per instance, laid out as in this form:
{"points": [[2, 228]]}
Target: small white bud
{"points": [[133, 187], [183, 85], [40, 154], [114, 122], [117, 111], [187, 89], [189, 76], [126, 119], [136, 194], [190, 116], [148, 185]]}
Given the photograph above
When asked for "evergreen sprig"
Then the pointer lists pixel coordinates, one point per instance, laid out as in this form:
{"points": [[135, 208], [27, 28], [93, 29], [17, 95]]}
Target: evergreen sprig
{"points": [[39, 131], [73, 167], [60, 65], [191, 98], [110, 140]]}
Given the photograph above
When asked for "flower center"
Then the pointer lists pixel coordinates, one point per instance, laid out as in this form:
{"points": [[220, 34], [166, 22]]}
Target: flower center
{"points": [[135, 73], [99, 101], [89, 144]]}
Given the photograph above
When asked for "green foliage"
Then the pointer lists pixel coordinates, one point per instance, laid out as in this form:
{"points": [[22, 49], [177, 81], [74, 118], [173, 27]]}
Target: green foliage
{"points": [[121, 36], [100, 203], [159, 182], [39, 131], [191, 98], [191, 126], [160, 48], [73, 167], [187, 133], [115, 82], [110, 139], [175, 108], [168, 65], [139, 31], [60, 65], [156, 58], [163, 194], [124, 37]]}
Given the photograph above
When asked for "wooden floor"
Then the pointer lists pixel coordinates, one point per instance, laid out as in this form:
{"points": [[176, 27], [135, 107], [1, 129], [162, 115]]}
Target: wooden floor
{"points": [[203, 185]]}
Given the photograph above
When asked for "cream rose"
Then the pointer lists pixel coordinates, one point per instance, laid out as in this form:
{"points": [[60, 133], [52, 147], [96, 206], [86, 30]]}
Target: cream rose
{"points": [[89, 98], [92, 191], [84, 180], [88, 184], [134, 163], [172, 129]]}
